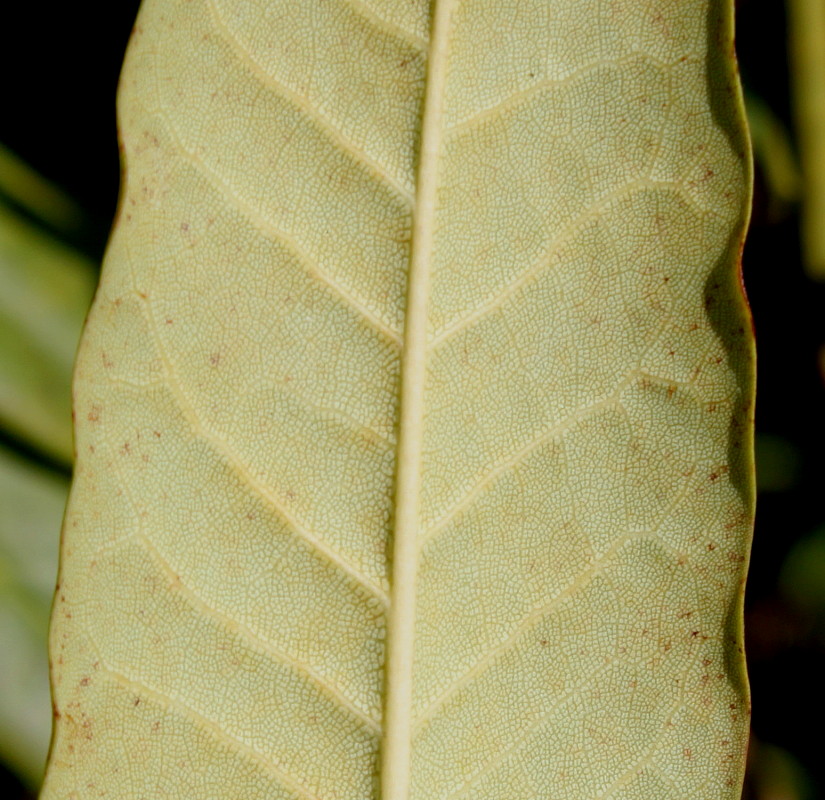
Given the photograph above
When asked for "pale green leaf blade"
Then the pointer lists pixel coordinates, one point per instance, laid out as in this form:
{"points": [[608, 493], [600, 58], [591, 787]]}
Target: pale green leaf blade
{"points": [[413, 411], [46, 288], [32, 500]]}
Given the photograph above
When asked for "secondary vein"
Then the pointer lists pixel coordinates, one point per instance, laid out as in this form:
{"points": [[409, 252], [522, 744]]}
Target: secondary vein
{"points": [[396, 745]]}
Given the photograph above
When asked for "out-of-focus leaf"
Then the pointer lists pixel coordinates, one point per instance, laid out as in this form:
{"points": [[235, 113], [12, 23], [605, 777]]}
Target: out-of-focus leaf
{"points": [[30, 190], [806, 26], [803, 575], [777, 463], [45, 290], [774, 154], [777, 775], [32, 501]]}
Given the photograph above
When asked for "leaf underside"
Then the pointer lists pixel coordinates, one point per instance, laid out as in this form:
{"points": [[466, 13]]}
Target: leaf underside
{"points": [[413, 412]]}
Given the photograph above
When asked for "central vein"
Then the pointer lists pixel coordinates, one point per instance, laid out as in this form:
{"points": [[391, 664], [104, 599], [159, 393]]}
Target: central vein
{"points": [[396, 745]]}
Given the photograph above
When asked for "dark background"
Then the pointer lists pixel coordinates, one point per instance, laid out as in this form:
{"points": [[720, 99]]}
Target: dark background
{"points": [[61, 63]]}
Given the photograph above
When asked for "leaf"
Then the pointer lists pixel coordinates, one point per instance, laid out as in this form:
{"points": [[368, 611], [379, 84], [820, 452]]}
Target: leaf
{"points": [[778, 774], [46, 290], [30, 190], [806, 27], [803, 574], [773, 154], [32, 500], [413, 412]]}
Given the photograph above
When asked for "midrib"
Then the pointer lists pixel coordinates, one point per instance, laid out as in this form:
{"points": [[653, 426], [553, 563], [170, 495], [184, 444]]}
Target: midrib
{"points": [[396, 744]]}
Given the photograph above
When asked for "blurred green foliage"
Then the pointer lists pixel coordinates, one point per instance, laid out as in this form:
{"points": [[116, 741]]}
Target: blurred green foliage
{"points": [[776, 775], [773, 150], [32, 500], [45, 291], [777, 463], [803, 576], [806, 26]]}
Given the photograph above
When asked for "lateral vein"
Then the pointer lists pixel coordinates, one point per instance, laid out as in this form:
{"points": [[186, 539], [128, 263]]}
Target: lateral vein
{"points": [[254, 640], [224, 449], [328, 127], [278, 236], [209, 726], [378, 22]]}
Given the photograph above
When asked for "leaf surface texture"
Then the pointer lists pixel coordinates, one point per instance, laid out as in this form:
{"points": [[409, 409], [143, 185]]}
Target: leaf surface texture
{"points": [[413, 412]]}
